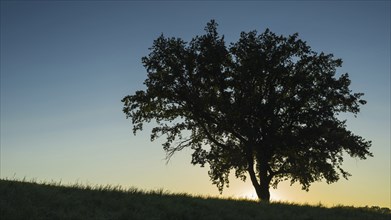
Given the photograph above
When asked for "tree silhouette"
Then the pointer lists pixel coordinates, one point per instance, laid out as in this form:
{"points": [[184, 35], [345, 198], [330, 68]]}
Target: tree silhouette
{"points": [[265, 106]]}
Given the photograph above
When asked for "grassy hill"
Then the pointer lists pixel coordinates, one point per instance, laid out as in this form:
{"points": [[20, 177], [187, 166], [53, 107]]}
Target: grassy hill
{"points": [[30, 200]]}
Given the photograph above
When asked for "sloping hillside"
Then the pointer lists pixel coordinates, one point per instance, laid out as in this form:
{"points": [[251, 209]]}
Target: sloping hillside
{"points": [[26, 200]]}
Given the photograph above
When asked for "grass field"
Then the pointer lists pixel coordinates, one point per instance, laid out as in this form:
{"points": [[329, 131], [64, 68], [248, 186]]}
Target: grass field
{"points": [[31, 200]]}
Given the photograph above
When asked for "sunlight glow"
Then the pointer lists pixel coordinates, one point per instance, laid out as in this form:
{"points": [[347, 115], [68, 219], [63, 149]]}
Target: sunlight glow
{"points": [[275, 195], [251, 195]]}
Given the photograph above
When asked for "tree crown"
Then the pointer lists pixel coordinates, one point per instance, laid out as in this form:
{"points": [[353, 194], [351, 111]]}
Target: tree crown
{"points": [[267, 101]]}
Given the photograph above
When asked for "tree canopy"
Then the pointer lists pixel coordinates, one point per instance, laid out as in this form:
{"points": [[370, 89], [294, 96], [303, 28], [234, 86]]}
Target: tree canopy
{"points": [[265, 107]]}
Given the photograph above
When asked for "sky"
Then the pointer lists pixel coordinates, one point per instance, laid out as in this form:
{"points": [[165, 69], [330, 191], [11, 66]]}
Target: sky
{"points": [[66, 65]]}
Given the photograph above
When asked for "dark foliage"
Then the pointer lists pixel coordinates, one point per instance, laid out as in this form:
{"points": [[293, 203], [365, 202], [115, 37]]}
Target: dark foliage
{"points": [[266, 105]]}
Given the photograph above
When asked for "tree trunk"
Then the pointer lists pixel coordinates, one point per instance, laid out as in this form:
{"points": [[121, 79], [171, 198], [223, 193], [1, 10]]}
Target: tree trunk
{"points": [[261, 187], [264, 193]]}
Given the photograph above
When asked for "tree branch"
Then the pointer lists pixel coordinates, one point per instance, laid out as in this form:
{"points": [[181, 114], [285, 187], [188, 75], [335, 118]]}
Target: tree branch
{"points": [[179, 147], [211, 138], [214, 120]]}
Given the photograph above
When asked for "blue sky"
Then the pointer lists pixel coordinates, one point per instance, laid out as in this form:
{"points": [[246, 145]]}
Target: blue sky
{"points": [[65, 66]]}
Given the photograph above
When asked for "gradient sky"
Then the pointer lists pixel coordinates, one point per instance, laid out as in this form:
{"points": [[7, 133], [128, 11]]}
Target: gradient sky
{"points": [[65, 66]]}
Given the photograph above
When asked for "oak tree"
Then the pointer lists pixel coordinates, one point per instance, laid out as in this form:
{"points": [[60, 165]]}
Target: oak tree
{"points": [[265, 106]]}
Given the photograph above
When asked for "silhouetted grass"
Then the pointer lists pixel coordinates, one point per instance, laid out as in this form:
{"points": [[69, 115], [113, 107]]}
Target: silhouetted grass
{"points": [[31, 200]]}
